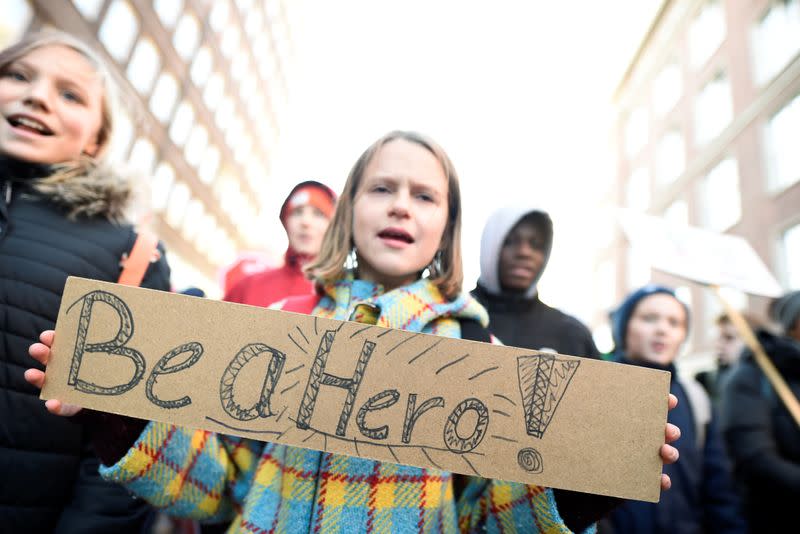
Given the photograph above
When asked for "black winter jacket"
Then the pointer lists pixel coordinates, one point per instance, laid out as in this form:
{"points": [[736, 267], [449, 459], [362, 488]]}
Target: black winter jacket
{"points": [[763, 440], [529, 323], [49, 231]]}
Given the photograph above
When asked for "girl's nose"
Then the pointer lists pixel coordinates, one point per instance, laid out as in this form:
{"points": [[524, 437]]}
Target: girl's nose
{"points": [[38, 96], [399, 206]]}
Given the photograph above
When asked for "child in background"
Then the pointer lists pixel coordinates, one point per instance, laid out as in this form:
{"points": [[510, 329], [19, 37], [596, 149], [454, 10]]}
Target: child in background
{"points": [[305, 215], [399, 216], [649, 328]]}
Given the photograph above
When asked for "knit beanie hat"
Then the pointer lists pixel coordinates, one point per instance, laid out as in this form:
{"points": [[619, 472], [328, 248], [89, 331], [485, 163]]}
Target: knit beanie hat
{"points": [[786, 310], [622, 315], [310, 193]]}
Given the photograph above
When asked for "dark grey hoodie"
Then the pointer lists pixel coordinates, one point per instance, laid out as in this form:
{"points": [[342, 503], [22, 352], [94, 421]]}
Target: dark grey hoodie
{"points": [[521, 319]]}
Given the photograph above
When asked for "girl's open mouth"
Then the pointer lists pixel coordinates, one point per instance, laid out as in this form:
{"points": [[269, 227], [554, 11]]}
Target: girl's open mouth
{"points": [[29, 124], [396, 234]]}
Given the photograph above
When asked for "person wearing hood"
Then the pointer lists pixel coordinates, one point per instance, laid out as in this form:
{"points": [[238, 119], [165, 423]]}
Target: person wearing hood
{"points": [[305, 215], [762, 437], [649, 328], [515, 248], [62, 213]]}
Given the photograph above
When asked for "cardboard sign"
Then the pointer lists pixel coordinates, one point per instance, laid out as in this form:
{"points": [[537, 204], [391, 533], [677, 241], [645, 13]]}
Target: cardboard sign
{"points": [[699, 255], [360, 390]]}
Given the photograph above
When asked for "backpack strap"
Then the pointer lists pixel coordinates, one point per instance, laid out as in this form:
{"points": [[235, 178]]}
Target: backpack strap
{"points": [[301, 304], [473, 331], [134, 264]]}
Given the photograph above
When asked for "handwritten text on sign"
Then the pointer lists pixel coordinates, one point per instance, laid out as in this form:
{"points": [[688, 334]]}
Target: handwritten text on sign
{"points": [[360, 390]]}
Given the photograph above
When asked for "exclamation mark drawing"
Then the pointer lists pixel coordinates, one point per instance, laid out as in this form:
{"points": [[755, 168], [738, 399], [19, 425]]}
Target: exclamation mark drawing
{"points": [[543, 379]]}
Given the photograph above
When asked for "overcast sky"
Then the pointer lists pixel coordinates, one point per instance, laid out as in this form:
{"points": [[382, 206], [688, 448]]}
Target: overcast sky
{"points": [[518, 93]]}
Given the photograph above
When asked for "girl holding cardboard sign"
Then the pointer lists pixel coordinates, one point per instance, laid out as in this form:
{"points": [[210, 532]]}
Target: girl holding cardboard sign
{"points": [[62, 213], [399, 216]]}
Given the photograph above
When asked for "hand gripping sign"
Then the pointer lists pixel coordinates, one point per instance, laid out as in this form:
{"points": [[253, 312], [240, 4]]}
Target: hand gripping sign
{"points": [[360, 390]]}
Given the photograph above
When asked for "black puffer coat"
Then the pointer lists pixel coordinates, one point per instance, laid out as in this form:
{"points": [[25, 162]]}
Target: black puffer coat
{"points": [[763, 439], [49, 231]]}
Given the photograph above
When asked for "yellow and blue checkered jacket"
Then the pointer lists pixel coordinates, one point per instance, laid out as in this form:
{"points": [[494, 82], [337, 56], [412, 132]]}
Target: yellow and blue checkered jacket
{"points": [[264, 487]]}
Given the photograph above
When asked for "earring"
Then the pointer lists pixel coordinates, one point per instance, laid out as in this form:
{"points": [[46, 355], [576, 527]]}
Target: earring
{"points": [[434, 268], [351, 262]]}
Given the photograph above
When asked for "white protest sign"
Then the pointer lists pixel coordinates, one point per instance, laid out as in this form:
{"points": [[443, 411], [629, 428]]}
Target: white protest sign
{"points": [[699, 255]]}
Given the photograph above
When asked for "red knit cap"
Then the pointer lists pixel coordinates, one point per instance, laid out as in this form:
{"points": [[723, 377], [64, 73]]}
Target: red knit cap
{"points": [[309, 193]]}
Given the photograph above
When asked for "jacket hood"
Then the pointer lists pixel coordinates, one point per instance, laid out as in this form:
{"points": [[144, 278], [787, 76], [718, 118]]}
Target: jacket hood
{"points": [[85, 190], [497, 228]]}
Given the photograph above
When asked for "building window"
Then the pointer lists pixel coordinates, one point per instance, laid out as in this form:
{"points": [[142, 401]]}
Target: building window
{"points": [[168, 11], [89, 8], [230, 42], [218, 18], [192, 218], [253, 24], [119, 29], [239, 66], [722, 204], [123, 135], [186, 36], [224, 116], [713, 109], [182, 123], [247, 88], [782, 154], [205, 228], [244, 5], [202, 66], [706, 33], [638, 190], [775, 39], [214, 91], [266, 62], [196, 145], [791, 254], [636, 132], [670, 157], [162, 101], [667, 88], [143, 156], [176, 206], [209, 165], [144, 66], [162, 182]]}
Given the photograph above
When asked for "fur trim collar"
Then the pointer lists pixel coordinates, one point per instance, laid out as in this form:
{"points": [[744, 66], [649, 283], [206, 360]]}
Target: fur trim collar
{"points": [[83, 190]]}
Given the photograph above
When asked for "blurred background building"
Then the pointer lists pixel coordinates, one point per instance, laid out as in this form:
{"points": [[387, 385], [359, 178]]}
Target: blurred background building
{"points": [[207, 85], [706, 133], [705, 121]]}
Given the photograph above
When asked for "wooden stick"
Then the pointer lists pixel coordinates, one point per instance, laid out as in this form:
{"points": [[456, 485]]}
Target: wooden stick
{"points": [[763, 361]]}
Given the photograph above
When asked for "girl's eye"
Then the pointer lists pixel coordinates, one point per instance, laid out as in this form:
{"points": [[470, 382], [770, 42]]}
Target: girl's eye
{"points": [[425, 197], [380, 189], [15, 75], [71, 96]]}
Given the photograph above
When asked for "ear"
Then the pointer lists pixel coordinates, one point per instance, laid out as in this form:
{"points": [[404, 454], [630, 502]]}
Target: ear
{"points": [[92, 147]]}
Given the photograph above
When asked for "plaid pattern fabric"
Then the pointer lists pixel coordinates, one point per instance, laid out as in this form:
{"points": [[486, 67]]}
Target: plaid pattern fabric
{"points": [[417, 307], [263, 487]]}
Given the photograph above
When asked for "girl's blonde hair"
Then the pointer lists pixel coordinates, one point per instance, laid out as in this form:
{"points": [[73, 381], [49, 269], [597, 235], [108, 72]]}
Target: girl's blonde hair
{"points": [[445, 270], [110, 104]]}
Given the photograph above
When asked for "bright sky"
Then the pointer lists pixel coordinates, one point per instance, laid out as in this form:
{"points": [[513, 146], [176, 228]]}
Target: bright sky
{"points": [[518, 94]]}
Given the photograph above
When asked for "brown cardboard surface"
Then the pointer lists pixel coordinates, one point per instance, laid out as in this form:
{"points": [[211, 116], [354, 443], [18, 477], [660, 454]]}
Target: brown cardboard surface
{"points": [[462, 406]]}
